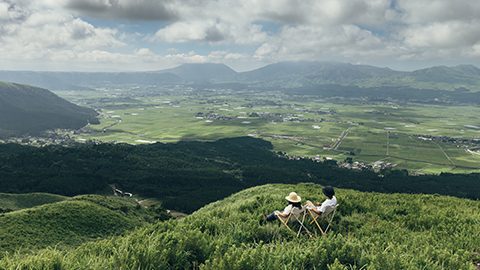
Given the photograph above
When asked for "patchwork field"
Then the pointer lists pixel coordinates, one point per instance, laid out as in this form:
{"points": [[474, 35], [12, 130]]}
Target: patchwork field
{"points": [[421, 138]]}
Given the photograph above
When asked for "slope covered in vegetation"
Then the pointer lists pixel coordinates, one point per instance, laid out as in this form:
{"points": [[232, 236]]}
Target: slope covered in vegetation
{"points": [[370, 231], [69, 222], [30, 110], [11, 202], [188, 175]]}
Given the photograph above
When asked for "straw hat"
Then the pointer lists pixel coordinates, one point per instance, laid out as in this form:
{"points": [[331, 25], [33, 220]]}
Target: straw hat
{"points": [[293, 197]]}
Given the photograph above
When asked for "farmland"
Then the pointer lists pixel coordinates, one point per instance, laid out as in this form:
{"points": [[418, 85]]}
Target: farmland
{"points": [[422, 138]]}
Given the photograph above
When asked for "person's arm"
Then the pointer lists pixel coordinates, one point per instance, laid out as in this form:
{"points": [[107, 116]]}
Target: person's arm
{"points": [[286, 211], [316, 210], [320, 209]]}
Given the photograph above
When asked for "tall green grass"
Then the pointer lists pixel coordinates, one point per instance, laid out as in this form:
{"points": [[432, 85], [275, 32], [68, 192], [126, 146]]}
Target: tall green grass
{"points": [[70, 222], [11, 202], [371, 231]]}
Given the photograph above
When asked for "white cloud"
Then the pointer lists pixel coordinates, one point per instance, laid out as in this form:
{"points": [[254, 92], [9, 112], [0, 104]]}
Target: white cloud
{"points": [[430, 11], [184, 31], [36, 35], [311, 42], [4, 14], [124, 9], [52, 30], [240, 33], [211, 31], [452, 34]]}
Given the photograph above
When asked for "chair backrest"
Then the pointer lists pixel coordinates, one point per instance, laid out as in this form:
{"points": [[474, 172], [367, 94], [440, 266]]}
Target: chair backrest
{"points": [[297, 211], [329, 210]]}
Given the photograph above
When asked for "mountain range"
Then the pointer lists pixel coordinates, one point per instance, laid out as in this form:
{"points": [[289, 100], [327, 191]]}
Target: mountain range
{"points": [[284, 74], [30, 110]]}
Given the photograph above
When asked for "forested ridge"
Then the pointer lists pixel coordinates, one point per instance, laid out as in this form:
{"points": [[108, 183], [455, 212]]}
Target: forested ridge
{"points": [[29, 110], [188, 175]]}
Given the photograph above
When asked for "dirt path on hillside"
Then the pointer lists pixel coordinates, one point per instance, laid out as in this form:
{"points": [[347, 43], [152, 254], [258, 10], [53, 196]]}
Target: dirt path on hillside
{"points": [[176, 214]]}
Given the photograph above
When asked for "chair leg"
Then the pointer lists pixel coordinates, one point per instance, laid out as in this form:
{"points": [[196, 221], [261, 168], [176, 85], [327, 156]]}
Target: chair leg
{"points": [[330, 221], [328, 227], [318, 225], [288, 227], [285, 222], [309, 233], [299, 231], [302, 225]]}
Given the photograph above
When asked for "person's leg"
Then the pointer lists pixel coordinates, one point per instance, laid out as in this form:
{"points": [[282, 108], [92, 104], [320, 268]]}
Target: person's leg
{"points": [[271, 217], [309, 204], [316, 211]]}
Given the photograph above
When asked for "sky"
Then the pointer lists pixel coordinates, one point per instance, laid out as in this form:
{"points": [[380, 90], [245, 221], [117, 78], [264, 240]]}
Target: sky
{"points": [[136, 35]]}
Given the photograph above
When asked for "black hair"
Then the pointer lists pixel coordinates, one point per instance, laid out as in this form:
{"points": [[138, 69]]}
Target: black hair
{"points": [[295, 204], [328, 191]]}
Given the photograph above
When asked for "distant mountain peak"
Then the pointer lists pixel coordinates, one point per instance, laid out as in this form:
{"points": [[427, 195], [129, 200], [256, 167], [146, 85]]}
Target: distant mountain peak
{"points": [[469, 69], [203, 72], [208, 66], [204, 64]]}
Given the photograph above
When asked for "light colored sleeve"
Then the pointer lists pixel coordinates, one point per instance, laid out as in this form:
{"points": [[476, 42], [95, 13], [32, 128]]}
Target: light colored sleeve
{"points": [[287, 209], [324, 205]]}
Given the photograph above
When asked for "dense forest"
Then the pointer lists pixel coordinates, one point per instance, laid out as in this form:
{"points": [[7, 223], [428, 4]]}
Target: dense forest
{"points": [[188, 175]]}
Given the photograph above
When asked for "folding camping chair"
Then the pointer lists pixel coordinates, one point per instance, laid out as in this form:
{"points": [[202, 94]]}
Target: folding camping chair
{"points": [[299, 215], [328, 215]]}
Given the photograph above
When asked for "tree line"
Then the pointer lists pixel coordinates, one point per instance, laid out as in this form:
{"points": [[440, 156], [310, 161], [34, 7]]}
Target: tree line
{"points": [[188, 175]]}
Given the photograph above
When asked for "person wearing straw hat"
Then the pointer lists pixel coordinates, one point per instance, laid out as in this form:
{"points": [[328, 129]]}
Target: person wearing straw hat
{"points": [[293, 201]]}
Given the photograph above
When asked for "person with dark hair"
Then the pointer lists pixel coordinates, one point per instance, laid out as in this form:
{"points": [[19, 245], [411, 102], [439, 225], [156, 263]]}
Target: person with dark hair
{"points": [[294, 201], [331, 201]]}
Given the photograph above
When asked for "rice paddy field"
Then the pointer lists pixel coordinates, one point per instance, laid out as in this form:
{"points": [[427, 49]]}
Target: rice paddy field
{"points": [[300, 126]]}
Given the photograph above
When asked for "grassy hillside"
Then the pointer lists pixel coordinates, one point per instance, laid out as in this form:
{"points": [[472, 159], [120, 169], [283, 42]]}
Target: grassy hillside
{"points": [[371, 231], [12, 202], [69, 222], [30, 110]]}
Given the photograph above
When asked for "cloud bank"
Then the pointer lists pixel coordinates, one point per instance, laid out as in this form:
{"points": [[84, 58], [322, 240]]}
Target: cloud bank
{"points": [[149, 34]]}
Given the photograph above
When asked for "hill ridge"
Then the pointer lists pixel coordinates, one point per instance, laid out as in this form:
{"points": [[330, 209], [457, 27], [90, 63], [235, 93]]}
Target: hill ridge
{"points": [[286, 74], [31, 110], [372, 230], [69, 222]]}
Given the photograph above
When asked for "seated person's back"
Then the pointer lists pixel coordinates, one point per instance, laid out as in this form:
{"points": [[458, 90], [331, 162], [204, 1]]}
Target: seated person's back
{"points": [[327, 205], [294, 205]]}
